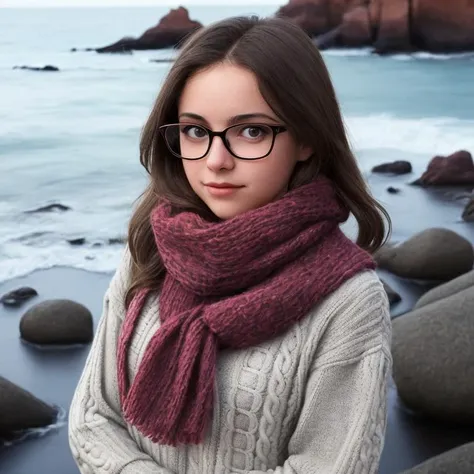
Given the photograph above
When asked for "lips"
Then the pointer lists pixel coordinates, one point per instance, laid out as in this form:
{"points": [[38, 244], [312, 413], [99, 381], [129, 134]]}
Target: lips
{"points": [[222, 185], [221, 190]]}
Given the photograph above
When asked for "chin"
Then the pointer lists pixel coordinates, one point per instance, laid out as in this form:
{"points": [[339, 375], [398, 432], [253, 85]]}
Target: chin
{"points": [[224, 212]]}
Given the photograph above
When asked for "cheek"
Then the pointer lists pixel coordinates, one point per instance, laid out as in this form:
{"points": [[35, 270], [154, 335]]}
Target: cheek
{"points": [[269, 178], [191, 170], [279, 165]]}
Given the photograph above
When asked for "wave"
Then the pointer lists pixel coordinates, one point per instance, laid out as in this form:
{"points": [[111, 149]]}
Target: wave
{"points": [[344, 52], [39, 432], [424, 55], [420, 56], [32, 242], [20, 260], [427, 136]]}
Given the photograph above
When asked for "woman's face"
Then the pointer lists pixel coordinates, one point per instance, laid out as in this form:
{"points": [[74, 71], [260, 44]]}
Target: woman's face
{"points": [[217, 98]]}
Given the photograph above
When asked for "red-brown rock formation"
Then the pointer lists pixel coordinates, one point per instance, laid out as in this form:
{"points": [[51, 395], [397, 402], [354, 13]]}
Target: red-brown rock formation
{"points": [[393, 33], [442, 25], [455, 169], [176, 19], [168, 33], [311, 15], [389, 25], [356, 29]]}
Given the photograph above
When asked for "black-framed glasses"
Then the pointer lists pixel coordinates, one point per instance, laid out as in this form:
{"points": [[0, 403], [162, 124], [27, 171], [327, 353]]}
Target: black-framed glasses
{"points": [[246, 141]]}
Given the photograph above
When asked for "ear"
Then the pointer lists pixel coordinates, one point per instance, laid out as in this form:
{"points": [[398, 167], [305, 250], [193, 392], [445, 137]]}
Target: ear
{"points": [[305, 153]]}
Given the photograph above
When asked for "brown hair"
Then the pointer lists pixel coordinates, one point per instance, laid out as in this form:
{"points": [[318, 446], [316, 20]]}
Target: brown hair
{"points": [[293, 79]]}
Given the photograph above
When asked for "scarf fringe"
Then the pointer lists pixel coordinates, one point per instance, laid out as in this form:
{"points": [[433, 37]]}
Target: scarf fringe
{"points": [[182, 357]]}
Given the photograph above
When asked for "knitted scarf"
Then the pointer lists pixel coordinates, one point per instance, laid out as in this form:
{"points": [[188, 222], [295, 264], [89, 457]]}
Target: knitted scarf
{"points": [[229, 285]]}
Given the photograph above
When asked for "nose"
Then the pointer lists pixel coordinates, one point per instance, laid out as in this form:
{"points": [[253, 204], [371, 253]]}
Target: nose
{"points": [[219, 158]]}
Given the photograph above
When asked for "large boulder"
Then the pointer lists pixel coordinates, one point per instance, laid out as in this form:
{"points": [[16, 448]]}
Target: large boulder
{"points": [[57, 322], [432, 358], [168, 33], [20, 410], [449, 288], [391, 26], [434, 254], [338, 8], [459, 460], [455, 169], [356, 28], [442, 26], [394, 167], [347, 23], [393, 29], [310, 15]]}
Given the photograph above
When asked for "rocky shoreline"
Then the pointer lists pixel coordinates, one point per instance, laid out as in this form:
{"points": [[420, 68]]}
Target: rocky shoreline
{"points": [[387, 26], [47, 321]]}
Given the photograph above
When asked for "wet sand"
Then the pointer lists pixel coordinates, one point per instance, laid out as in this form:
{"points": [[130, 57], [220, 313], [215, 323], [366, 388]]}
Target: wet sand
{"points": [[52, 375]]}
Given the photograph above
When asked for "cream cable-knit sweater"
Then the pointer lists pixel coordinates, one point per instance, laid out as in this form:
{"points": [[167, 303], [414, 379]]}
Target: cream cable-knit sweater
{"points": [[312, 401]]}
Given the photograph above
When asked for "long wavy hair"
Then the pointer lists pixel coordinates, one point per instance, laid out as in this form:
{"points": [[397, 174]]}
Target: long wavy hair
{"points": [[295, 82]]}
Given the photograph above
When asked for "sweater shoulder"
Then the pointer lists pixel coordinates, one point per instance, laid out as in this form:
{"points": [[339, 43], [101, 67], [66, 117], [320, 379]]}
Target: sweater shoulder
{"points": [[351, 321], [363, 291], [364, 288]]}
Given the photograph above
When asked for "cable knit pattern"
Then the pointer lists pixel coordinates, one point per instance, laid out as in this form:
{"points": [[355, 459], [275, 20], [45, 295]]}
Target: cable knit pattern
{"points": [[310, 401], [273, 408], [371, 445]]}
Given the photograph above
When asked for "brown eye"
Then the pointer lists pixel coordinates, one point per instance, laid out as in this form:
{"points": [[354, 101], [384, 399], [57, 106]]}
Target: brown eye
{"points": [[254, 132], [194, 131]]}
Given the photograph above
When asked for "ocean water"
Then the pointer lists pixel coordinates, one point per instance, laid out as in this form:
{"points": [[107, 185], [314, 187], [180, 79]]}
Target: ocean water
{"points": [[72, 137]]}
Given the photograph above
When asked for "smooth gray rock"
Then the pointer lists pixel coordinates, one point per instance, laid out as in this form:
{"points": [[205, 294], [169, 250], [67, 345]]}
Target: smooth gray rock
{"points": [[459, 460], [57, 322], [20, 410], [434, 254], [18, 296], [433, 354], [447, 289]]}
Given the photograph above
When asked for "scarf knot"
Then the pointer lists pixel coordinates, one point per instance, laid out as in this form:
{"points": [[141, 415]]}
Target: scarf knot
{"points": [[231, 284]]}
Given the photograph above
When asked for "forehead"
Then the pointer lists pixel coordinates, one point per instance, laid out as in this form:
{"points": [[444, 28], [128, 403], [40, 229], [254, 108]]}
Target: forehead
{"points": [[222, 91]]}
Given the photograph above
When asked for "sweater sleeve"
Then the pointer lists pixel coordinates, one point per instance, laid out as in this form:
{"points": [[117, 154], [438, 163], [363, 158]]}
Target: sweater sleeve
{"points": [[341, 427], [98, 437]]}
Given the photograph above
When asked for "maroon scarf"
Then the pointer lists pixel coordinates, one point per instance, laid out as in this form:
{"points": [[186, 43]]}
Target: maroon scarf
{"points": [[232, 284]]}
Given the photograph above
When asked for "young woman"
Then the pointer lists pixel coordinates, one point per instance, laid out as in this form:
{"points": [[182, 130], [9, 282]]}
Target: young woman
{"points": [[242, 332]]}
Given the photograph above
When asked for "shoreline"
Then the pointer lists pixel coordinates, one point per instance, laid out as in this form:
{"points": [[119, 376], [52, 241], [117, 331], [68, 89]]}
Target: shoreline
{"points": [[54, 268]]}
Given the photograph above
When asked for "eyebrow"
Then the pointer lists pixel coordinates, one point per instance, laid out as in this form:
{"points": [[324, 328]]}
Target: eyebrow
{"points": [[232, 120]]}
